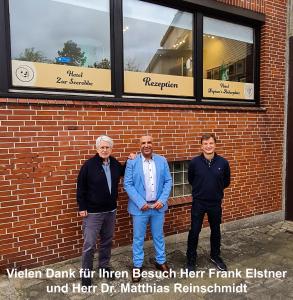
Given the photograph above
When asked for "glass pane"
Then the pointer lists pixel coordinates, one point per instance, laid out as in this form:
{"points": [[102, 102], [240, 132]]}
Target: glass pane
{"points": [[187, 189], [178, 190], [69, 48], [178, 178], [186, 164], [185, 177], [157, 49], [227, 60], [178, 166]]}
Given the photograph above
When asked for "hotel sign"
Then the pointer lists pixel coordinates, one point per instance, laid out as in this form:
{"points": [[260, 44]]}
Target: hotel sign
{"points": [[157, 84], [42, 75], [228, 89]]}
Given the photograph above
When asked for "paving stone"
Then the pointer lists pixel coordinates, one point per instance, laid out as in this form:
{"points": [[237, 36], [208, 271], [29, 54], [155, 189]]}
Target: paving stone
{"points": [[264, 247]]}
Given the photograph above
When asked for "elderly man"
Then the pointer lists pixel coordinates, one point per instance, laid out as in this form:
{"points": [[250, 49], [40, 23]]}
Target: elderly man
{"points": [[97, 192], [148, 183], [209, 175]]}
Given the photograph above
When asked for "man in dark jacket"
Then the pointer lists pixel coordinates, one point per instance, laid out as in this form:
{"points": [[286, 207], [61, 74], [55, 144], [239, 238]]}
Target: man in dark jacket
{"points": [[97, 192], [209, 175]]}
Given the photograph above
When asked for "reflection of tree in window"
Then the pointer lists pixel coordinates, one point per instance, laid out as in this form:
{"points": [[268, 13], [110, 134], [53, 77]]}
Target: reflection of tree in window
{"points": [[71, 50], [103, 64], [30, 54], [131, 65]]}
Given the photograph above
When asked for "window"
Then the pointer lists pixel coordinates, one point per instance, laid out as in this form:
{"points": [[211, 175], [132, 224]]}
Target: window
{"points": [[228, 51], [158, 50], [60, 44], [129, 50], [179, 173]]}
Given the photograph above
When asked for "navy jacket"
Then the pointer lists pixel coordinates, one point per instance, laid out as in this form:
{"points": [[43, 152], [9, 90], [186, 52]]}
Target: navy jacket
{"points": [[92, 188], [208, 179]]}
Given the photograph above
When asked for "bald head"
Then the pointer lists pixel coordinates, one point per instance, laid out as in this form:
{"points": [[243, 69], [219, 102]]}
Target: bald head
{"points": [[144, 137], [146, 146]]}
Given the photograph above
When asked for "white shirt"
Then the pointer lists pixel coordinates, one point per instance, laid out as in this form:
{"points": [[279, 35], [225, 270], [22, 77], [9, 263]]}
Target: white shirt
{"points": [[149, 171]]}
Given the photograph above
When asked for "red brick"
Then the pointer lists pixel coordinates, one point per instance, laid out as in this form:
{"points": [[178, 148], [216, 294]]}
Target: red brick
{"points": [[40, 155]]}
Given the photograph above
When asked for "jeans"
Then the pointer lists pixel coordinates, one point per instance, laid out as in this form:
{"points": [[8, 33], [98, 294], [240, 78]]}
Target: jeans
{"points": [[214, 212], [156, 220], [95, 225]]}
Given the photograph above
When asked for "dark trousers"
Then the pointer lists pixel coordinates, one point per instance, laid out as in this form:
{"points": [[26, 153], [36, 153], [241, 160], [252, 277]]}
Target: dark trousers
{"points": [[214, 212], [95, 225]]}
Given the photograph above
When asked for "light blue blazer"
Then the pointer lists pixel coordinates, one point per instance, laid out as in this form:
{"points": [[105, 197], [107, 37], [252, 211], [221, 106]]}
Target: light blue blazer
{"points": [[134, 183]]}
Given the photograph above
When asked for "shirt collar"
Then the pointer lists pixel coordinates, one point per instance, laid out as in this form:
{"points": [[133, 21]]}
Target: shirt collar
{"points": [[203, 157], [102, 161], [106, 162], [147, 160]]}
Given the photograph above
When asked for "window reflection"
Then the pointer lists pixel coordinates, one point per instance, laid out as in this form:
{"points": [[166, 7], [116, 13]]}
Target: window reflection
{"points": [[72, 33], [227, 58], [157, 40]]}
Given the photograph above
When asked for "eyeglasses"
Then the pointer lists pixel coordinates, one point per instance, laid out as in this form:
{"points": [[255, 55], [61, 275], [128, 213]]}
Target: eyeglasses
{"points": [[104, 148]]}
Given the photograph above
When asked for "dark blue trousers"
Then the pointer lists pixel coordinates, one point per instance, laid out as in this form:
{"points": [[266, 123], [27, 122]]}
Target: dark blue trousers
{"points": [[214, 212]]}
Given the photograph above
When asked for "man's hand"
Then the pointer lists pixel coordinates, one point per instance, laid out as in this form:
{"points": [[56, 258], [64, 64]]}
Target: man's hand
{"points": [[83, 213], [132, 156], [158, 205], [145, 207]]}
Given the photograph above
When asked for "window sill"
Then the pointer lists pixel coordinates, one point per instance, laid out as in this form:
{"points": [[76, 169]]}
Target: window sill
{"points": [[179, 201], [33, 99]]}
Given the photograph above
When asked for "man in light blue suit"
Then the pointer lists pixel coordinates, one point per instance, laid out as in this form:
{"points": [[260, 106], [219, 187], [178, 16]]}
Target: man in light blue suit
{"points": [[148, 183]]}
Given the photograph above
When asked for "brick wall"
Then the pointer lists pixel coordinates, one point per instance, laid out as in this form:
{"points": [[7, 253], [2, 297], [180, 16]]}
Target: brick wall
{"points": [[44, 143], [255, 5]]}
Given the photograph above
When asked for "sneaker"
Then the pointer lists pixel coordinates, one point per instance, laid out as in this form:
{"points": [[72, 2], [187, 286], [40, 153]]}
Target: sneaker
{"points": [[106, 272], [218, 262]]}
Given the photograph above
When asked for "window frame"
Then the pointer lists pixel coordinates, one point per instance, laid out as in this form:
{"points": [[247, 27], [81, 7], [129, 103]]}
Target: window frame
{"points": [[117, 67], [185, 164], [256, 59], [60, 91], [194, 45]]}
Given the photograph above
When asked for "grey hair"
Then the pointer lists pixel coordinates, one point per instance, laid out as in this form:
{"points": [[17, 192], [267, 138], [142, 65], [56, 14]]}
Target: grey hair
{"points": [[104, 138]]}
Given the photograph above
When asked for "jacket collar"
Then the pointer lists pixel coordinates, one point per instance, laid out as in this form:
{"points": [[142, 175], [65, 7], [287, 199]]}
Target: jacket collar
{"points": [[206, 160], [100, 160]]}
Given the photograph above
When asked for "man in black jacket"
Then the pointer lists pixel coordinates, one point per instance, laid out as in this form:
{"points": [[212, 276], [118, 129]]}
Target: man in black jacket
{"points": [[209, 175], [97, 192]]}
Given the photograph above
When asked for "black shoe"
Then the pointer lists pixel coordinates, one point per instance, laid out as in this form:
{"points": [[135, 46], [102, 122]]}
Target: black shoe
{"points": [[86, 282], [218, 262], [136, 278], [107, 273], [191, 265]]}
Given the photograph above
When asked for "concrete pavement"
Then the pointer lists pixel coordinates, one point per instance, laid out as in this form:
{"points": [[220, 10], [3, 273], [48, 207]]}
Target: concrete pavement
{"points": [[259, 259]]}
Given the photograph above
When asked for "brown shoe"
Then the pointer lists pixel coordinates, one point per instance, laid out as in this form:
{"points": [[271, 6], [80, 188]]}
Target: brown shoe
{"points": [[165, 268], [162, 267], [136, 278]]}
